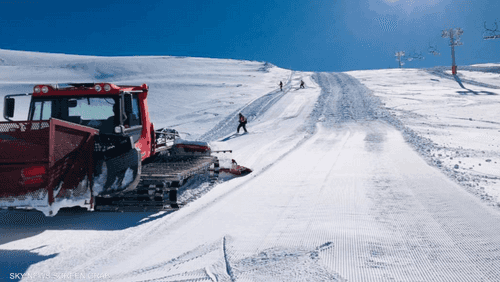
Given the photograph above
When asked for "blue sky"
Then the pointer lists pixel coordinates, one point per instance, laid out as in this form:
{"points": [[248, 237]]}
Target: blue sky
{"points": [[314, 35]]}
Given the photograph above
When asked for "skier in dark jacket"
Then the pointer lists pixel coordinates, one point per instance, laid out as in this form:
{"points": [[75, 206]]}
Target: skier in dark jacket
{"points": [[281, 85], [243, 122]]}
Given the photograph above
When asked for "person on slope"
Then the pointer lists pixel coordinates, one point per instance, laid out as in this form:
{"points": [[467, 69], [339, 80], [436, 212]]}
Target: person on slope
{"points": [[243, 122], [281, 85], [302, 84]]}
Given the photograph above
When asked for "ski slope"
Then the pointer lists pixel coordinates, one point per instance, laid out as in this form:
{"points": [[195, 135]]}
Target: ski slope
{"points": [[353, 179]]}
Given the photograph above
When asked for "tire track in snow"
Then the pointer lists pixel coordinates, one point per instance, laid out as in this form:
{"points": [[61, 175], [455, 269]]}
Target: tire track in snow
{"points": [[343, 99], [229, 270], [252, 111], [215, 272]]}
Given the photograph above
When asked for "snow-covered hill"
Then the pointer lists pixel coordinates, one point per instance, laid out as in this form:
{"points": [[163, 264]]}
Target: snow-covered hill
{"points": [[380, 175], [190, 94]]}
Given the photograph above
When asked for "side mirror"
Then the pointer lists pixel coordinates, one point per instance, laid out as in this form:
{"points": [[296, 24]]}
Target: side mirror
{"points": [[119, 129], [128, 103], [9, 105], [72, 103]]}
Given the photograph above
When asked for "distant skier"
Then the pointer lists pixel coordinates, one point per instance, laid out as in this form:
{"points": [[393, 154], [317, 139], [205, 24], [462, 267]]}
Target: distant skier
{"points": [[302, 84], [281, 85], [243, 122]]}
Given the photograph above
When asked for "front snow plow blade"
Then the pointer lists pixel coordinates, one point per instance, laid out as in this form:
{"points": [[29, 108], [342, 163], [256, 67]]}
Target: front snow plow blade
{"points": [[45, 165]]}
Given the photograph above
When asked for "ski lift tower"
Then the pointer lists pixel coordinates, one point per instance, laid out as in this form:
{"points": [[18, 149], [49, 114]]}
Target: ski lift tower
{"points": [[454, 35], [491, 33], [400, 57]]}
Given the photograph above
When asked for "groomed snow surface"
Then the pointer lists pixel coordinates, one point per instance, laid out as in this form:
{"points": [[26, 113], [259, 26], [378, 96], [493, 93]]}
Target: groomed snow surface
{"points": [[380, 175]]}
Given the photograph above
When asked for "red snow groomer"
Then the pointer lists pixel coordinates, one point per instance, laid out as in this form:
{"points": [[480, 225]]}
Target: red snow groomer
{"points": [[93, 145]]}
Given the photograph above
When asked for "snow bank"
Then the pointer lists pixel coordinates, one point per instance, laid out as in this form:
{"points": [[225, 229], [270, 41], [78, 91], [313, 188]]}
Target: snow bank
{"points": [[453, 123]]}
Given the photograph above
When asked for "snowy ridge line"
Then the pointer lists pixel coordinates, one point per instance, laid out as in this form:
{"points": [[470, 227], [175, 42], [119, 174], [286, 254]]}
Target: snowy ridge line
{"points": [[482, 68], [252, 110], [266, 67]]}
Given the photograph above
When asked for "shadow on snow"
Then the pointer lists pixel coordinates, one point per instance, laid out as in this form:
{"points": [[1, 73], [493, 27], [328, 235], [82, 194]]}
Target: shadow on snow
{"points": [[20, 224], [15, 263], [469, 91]]}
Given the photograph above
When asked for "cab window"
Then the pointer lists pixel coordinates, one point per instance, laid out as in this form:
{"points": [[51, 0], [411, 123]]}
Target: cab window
{"points": [[93, 108], [97, 112], [42, 110], [134, 118]]}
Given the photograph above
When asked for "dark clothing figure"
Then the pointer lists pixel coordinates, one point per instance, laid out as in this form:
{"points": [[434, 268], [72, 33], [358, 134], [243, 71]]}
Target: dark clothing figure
{"points": [[302, 84], [243, 122], [281, 85]]}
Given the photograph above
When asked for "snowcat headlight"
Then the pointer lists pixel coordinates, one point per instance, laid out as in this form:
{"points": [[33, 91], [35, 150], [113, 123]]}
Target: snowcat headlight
{"points": [[98, 88], [119, 129], [37, 89], [107, 87], [45, 89]]}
